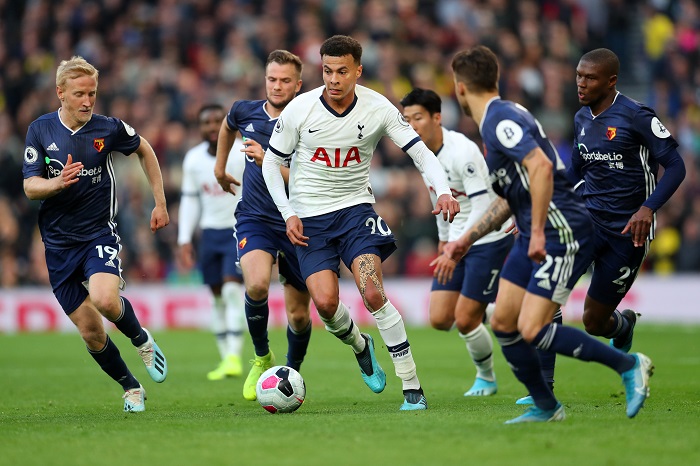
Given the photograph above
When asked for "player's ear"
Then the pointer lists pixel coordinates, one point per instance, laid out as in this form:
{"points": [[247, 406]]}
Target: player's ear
{"points": [[59, 93], [359, 71], [460, 88], [298, 88], [613, 80]]}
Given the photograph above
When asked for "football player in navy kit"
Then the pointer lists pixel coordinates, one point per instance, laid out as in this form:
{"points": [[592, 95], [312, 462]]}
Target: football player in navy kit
{"points": [[553, 249], [260, 229], [68, 166], [618, 147]]}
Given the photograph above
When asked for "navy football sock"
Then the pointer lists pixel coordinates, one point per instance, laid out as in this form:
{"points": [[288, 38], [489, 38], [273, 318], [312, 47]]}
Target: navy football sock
{"points": [[297, 343], [110, 360], [548, 358], [576, 343], [525, 364], [129, 325], [621, 326], [257, 314]]}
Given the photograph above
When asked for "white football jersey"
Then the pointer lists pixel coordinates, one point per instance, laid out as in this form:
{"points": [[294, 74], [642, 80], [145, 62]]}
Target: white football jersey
{"points": [[468, 176], [330, 169], [216, 206]]}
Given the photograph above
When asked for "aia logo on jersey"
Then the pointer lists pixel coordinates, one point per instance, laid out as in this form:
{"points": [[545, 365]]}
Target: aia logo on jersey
{"points": [[321, 156], [99, 144], [611, 133], [242, 243]]}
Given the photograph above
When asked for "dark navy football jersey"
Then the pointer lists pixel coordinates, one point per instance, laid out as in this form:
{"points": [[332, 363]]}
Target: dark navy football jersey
{"points": [[87, 209], [253, 122], [510, 132], [615, 153]]}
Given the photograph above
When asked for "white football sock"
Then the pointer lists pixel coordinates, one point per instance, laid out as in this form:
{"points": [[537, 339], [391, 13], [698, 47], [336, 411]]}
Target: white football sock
{"points": [[480, 347], [233, 295], [218, 325], [393, 332], [342, 326]]}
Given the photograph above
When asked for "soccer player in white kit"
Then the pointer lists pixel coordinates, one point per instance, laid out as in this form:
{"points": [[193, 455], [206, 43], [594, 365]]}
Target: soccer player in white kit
{"points": [[332, 132], [205, 204], [462, 300]]}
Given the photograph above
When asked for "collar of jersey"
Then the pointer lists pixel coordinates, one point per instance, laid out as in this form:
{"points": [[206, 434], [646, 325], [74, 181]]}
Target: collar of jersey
{"points": [[333, 112]]}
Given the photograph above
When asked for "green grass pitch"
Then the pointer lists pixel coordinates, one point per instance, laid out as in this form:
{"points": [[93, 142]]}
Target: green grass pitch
{"points": [[58, 408]]}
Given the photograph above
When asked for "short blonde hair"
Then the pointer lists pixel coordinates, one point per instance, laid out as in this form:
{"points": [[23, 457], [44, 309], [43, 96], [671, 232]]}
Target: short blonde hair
{"points": [[74, 68]]}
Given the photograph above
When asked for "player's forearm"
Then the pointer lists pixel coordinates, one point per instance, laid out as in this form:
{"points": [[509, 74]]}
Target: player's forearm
{"points": [[150, 166], [188, 217], [285, 174], [497, 213], [227, 136], [480, 205], [428, 164], [37, 188], [541, 189], [275, 184], [674, 173]]}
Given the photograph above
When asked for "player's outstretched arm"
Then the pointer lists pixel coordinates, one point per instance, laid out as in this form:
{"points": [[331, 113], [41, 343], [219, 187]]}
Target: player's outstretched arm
{"points": [[639, 226], [674, 172], [39, 188], [452, 252], [448, 206], [427, 163], [226, 138], [295, 231], [275, 184], [150, 166], [541, 172]]}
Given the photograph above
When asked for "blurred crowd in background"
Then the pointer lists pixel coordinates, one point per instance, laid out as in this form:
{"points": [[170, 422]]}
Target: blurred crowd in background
{"points": [[161, 60]]}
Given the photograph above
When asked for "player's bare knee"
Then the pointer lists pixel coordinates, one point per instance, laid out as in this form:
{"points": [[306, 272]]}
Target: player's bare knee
{"points": [[373, 301], [257, 291], [298, 319], [466, 323], [93, 335], [503, 324], [108, 306], [440, 323], [529, 330], [326, 305]]}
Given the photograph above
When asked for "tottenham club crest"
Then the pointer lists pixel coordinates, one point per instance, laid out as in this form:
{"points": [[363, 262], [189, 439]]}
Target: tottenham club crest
{"points": [[470, 169], [279, 126], [402, 120]]}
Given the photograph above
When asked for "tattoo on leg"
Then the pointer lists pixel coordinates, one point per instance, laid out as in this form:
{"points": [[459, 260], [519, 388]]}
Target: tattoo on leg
{"points": [[367, 270]]}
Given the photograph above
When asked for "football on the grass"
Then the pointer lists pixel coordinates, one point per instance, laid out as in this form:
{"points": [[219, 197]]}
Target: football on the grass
{"points": [[281, 389]]}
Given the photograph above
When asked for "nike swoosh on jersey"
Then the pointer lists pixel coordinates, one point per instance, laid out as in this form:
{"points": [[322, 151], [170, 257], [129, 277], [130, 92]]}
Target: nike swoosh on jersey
{"points": [[314, 130]]}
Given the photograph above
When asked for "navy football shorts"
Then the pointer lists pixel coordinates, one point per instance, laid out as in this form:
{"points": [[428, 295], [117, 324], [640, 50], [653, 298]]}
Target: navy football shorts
{"points": [[255, 234], [218, 257], [476, 275], [70, 268], [343, 235]]}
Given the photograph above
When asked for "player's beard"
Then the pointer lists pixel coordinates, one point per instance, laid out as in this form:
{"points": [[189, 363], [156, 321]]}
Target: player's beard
{"points": [[467, 110], [279, 105]]}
